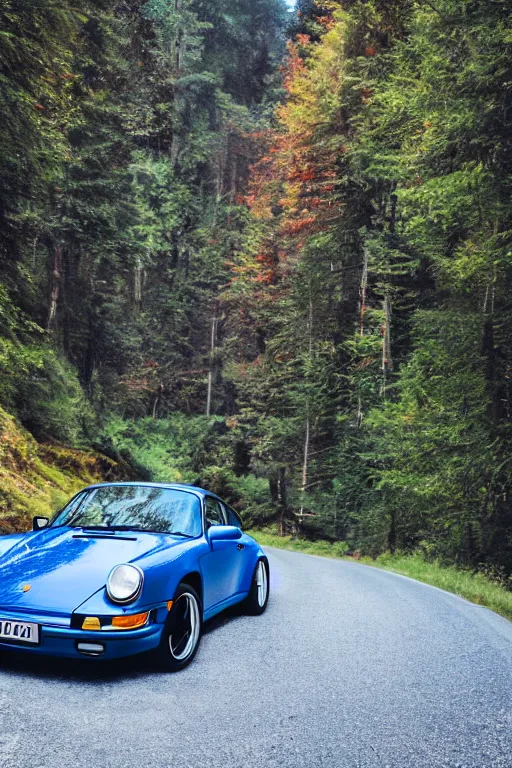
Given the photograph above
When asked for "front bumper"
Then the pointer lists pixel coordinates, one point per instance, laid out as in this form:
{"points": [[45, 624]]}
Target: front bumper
{"points": [[55, 639]]}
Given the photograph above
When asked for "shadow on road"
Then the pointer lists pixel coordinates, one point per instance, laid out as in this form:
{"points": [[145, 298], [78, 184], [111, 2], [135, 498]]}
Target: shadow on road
{"points": [[94, 670]]}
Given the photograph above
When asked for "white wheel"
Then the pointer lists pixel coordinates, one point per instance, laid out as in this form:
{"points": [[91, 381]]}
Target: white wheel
{"points": [[187, 625], [262, 582], [181, 634], [257, 599]]}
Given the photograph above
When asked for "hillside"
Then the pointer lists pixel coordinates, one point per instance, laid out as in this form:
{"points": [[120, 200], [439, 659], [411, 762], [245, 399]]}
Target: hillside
{"points": [[38, 478]]}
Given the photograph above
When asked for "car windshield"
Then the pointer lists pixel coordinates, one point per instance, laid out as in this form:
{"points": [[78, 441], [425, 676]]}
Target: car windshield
{"points": [[138, 507]]}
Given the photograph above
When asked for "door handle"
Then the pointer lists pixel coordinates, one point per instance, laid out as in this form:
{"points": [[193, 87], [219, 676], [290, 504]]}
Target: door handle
{"points": [[240, 546]]}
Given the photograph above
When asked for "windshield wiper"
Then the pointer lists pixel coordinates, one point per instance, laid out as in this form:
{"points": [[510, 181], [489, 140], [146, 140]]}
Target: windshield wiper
{"points": [[110, 527], [132, 528]]}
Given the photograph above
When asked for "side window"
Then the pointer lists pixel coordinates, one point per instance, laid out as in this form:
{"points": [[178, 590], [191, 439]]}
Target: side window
{"points": [[214, 512], [233, 518]]}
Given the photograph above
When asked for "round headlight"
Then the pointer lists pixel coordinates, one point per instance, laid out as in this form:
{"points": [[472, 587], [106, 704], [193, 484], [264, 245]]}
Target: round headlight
{"points": [[124, 583]]}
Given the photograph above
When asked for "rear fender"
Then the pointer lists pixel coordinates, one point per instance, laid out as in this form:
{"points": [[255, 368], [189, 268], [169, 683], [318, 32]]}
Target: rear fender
{"points": [[253, 553]]}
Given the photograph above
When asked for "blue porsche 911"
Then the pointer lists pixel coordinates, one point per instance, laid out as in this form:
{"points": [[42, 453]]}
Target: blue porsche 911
{"points": [[126, 568]]}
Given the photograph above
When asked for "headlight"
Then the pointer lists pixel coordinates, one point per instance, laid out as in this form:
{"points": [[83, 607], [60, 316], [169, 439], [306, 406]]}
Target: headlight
{"points": [[124, 583]]}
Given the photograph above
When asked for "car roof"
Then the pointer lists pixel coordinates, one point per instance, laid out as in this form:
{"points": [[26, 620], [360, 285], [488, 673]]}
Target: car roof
{"points": [[171, 486]]}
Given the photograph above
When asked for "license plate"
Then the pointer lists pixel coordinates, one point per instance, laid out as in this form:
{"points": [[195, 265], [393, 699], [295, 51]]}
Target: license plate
{"points": [[19, 631]]}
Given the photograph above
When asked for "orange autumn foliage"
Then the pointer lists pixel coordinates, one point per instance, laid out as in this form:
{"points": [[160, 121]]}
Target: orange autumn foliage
{"points": [[292, 191]]}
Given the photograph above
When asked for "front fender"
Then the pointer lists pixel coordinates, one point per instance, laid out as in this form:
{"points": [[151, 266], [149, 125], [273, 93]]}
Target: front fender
{"points": [[163, 571]]}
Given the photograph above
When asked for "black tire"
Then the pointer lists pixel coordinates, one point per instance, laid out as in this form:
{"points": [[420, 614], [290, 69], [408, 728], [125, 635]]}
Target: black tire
{"points": [[173, 652], [252, 603]]}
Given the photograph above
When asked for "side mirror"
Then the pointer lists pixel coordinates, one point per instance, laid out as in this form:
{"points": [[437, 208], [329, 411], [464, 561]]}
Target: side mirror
{"points": [[38, 523], [224, 533]]}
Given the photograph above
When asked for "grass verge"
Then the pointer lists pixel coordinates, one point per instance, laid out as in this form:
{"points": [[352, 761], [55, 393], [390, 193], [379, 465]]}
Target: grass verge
{"points": [[475, 587]]}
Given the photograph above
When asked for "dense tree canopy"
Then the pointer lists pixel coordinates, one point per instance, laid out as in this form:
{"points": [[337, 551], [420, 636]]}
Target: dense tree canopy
{"points": [[285, 273]]}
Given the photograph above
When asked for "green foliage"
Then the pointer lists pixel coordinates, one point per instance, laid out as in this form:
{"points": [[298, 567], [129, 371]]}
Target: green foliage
{"points": [[189, 449], [38, 383], [127, 137], [376, 336], [431, 446], [50, 401], [319, 256], [164, 449]]}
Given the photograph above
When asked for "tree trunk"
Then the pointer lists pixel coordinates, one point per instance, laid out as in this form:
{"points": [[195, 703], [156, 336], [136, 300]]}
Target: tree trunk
{"points": [[283, 500], [273, 486], [360, 414], [387, 362], [213, 336], [90, 355], [157, 400], [175, 148], [221, 159], [498, 407], [137, 283], [387, 334], [305, 462], [55, 286], [392, 534], [364, 283]]}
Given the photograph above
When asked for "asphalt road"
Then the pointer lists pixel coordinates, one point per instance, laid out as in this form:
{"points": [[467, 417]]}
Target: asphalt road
{"points": [[349, 666]]}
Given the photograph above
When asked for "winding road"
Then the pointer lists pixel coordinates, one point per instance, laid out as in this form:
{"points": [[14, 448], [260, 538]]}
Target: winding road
{"points": [[350, 667]]}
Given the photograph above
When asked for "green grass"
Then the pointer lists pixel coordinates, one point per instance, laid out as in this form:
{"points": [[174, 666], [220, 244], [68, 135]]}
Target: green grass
{"points": [[475, 587], [324, 548]]}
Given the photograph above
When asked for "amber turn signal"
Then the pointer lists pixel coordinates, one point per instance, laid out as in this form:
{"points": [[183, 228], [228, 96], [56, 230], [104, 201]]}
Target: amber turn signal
{"points": [[130, 622], [91, 623]]}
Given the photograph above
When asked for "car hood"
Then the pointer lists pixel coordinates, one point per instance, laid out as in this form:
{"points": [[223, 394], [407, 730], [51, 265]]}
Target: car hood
{"points": [[64, 566]]}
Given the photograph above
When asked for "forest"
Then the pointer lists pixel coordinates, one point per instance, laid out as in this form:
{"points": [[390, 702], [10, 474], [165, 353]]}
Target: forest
{"points": [[267, 250]]}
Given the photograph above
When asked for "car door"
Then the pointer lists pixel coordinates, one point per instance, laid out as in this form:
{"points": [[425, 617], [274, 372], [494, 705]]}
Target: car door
{"points": [[222, 564], [245, 561]]}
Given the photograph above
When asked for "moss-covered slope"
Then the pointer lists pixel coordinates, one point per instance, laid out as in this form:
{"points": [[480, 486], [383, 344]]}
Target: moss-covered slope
{"points": [[37, 479]]}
